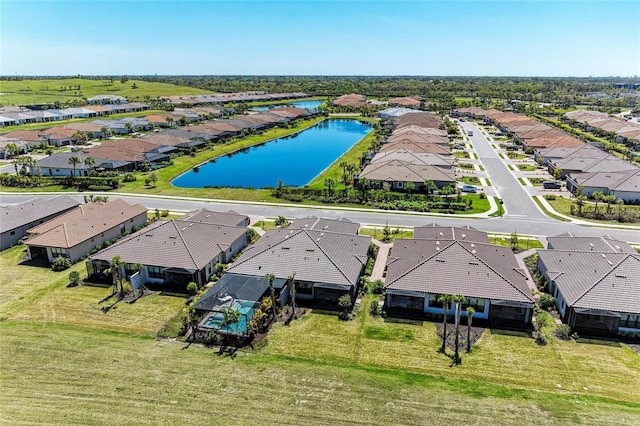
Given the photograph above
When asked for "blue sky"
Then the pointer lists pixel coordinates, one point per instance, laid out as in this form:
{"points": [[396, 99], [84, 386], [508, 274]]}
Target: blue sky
{"points": [[525, 38]]}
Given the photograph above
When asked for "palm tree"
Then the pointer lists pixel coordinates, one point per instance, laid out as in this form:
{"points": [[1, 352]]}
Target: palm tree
{"points": [[343, 166], [597, 196], [470, 312], [12, 150], [105, 132], [351, 171], [458, 300], [89, 162], [116, 274], [230, 316], [329, 184], [429, 186], [291, 279], [444, 299], [580, 200], [619, 203], [269, 278], [409, 186], [74, 162], [609, 199]]}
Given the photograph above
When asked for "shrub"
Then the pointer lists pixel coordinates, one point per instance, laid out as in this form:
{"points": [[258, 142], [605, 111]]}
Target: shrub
{"points": [[563, 332], [547, 302], [550, 197], [376, 287], [192, 288], [374, 308], [481, 195], [345, 303], [74, 278], [540, 338], [129, 177], [60, 263]]}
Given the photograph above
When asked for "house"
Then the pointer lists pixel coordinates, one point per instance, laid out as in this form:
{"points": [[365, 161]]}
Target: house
{"points": [[228, 218], [58, 164], [342, 225], [107, 99], [352, 100], [17, 219], [5, 142], [325, 265], [624, 184], [173, 253], [30, 137], [419, 271], [398, 173], [129, 154], [94, 130], [75, 233], [595, 283], [59, 136]]}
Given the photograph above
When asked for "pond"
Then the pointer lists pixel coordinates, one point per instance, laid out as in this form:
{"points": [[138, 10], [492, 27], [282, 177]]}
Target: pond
{"points": [[295, 159], [311, 105]]}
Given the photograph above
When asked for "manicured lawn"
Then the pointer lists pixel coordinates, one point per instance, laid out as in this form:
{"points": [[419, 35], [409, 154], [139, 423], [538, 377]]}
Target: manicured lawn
{"points": [[524, 243], [38, 294], [526, 167], [39, 91], [101, 377], [563, 205], [504, 360], [377, 232], [471, 180]]}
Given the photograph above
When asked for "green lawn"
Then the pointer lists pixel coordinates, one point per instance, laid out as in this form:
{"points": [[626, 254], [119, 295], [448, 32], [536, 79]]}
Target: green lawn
{"points": [[377, 232], [39, 91], [61, 374], [524, 243], [471, 180], [37, 294], [563, 205], [526, 167]]}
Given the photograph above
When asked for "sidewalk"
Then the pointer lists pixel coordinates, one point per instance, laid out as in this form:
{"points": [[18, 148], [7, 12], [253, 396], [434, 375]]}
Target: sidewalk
{"points": [[381, 260]]}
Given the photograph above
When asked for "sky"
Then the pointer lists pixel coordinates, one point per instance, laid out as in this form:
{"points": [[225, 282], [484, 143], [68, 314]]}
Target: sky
{"points": [[435, 38]]}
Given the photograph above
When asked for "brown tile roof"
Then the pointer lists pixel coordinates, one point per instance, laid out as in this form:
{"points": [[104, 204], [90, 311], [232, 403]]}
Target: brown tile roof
{"points": [[174, 244], [122, 149], [434, 231], [229, 218], [402, 171], [456, 267], [83, 222], [352, 100], [405, 101], [416, 147], [342, 225], [26, 135]]}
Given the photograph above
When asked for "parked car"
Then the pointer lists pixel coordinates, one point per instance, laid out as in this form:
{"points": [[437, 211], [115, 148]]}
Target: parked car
{"points": [[551, 185], [458, 146], [468, 188]]}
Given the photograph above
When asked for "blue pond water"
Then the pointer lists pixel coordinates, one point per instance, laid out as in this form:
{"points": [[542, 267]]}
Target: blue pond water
{"points": [[295, 159], [312, 105]]}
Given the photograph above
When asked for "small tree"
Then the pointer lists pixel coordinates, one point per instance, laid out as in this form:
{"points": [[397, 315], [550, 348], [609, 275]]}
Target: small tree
{"points": [[270, 278], [329, 184], [470, 312], [458, 300], [291, 279], [386, 232], [344, 302], [192, 288], [153, 179], [74, 161], [444, 299], [513, 241], [74, 278], [60, 263]]}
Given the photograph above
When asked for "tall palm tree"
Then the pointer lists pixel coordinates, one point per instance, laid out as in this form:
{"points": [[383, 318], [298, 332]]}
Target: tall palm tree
{"points": [[12, 149], [291, 279], [343, 166], [351, 171], [116, 275], [470, 312], [89, 162], [270, 278], [74, 161], [429, 186], [444, 299], [458, 299], [597, 197], [329, 184]]}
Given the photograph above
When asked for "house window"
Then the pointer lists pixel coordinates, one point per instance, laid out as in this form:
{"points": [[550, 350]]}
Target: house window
{"points": [[122, 228], [476, 304], [57, 251], [304, 287], [154, 271], [13, 232], [434, 301], [629, 321]]}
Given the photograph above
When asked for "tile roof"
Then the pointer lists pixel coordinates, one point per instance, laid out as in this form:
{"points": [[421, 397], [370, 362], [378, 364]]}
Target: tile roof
{"points": [[30, 211], [229, 218], [456, 267], [342, 225], [595, 280], [604, 244], [423, 158], [402, 171], [174, 244], [83, 223], [314, 256], [433, 231]]}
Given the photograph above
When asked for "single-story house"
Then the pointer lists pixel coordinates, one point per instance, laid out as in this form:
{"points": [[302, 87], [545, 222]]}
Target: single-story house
{"points": [[419, 271], [624, 184], [341, 225], [326, 265], [58, 164], [398, 173], [75, 233], [173, 253], [595, 284], [17, 219]]}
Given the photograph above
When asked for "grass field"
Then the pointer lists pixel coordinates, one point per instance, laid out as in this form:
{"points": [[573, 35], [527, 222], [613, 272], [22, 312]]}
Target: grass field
{"points": [[101, 377], [563, 205], [64, 361], [377, 232], [44, 91], [524, 243]]}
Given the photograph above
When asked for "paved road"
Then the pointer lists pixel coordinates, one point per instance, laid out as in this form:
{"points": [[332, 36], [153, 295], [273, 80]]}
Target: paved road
{"points": [[517, 200], [507, 224]]}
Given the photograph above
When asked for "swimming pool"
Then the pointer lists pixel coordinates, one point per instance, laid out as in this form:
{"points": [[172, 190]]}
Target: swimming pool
{"points": [[244, 307]]}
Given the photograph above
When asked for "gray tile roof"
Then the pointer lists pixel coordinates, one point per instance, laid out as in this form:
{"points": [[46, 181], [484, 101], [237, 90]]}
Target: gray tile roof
{"points": [[401, 171], [433, 231], [314, 256], [229, 218], [30, 211], [595, 280], [342, 225], [173, 244], [596, 244], [456, 267]]}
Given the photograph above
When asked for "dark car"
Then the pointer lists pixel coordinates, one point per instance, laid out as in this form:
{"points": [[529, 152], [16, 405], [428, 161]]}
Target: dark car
{"points": [[551, 185], [468, 188]]}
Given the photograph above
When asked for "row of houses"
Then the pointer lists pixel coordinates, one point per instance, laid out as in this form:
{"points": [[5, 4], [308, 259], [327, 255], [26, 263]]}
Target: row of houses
{"points": [[13, 115], [155, 148], [586, 168], [416, 150], [355, 100], [249, 96], [594, 280], [625, 131]]}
